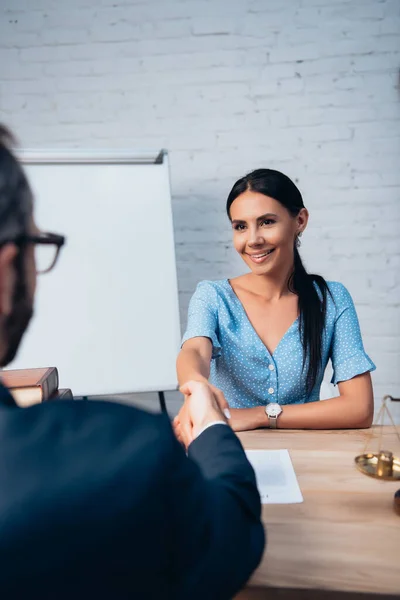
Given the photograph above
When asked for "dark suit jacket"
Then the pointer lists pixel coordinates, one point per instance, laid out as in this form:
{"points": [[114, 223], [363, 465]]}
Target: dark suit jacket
{"points": [[98, 500]]}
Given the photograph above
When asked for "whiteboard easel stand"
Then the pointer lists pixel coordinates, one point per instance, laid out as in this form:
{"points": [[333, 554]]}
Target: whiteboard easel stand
{"points": [[35, 161]]}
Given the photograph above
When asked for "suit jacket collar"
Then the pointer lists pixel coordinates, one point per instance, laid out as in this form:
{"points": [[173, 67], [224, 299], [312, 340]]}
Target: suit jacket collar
{"points": [[5, 397]]}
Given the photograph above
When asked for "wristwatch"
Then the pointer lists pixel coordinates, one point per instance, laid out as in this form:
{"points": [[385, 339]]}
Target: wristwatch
{"points": [[273, 410]]}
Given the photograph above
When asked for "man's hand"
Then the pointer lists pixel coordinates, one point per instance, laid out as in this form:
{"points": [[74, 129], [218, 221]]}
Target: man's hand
{"points": [[201, 408]]}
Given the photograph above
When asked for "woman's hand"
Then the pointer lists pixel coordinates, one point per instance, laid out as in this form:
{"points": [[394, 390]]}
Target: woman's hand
{"points": [[240, 419], [245, 419], [220, 398]]}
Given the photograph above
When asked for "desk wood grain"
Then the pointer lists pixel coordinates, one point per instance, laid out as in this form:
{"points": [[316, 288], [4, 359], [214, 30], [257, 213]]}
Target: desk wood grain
{"points": [[345, 535]]}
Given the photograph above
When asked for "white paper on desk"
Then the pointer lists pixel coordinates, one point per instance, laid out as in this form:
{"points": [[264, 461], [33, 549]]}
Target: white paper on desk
{"points": [[276, 479]]}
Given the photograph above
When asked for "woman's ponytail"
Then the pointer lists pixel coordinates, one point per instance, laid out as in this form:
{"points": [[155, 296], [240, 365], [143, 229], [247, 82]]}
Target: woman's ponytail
{"points": [[312, 311]]}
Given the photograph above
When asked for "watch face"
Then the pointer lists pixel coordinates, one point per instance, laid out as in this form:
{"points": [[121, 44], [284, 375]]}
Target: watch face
{"points": [[273, 409]]}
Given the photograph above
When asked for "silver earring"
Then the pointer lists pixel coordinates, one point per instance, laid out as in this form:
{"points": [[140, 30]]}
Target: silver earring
{"points": [[298, 240]]}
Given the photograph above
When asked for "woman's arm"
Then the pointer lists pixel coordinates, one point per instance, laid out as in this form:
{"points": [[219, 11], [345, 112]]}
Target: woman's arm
{"points": [[353, 409], [193, 362]]}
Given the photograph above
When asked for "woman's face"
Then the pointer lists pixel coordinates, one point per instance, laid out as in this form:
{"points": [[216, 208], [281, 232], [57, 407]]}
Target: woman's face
{"points": [[264, 232]]}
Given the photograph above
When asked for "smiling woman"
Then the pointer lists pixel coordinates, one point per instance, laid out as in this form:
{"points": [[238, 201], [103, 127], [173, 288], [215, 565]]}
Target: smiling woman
{"points": [[263, 340]]}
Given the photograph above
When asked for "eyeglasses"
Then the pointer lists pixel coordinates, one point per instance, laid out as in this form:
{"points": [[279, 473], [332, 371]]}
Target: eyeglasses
{"points": [[47, 249]]}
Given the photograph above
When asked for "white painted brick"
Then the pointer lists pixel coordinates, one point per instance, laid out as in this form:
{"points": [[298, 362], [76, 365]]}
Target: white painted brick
{"points": [[351, 11], [41, 54], [374, 129], [377, 62], [68, 69], [8, 71], [25, 22], [9, 58], [291, 86], [52, 36], [9, 36], [322, 66], [210, 25], [68, 18], [319, 116], [286, 53], [9, 105], [390, 26], [29, 87]]}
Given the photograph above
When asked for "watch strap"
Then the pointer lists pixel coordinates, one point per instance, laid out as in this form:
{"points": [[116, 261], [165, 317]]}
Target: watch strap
{"points": [[272, 422]]}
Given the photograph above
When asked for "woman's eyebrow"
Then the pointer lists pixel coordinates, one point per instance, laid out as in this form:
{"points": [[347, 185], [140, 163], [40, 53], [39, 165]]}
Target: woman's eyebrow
{"points": [[266, 216]]}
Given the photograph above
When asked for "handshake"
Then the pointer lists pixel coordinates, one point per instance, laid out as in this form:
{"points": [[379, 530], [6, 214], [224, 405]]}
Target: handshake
{"points": [[203, 406]]}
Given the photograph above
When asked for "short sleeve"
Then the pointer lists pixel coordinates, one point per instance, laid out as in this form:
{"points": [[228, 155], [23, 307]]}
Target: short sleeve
{"points": [[203, 316], [347, 351]]}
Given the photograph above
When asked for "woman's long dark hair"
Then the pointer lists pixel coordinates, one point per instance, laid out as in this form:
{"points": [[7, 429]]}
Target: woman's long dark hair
{"points": [[312, 301]]}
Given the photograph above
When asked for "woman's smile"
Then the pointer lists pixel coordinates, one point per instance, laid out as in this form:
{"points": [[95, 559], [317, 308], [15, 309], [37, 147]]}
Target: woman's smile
{"points": [[260, 257]]}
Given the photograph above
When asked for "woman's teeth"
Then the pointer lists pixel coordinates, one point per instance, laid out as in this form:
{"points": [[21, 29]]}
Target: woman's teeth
{"points": [[260, 257]]}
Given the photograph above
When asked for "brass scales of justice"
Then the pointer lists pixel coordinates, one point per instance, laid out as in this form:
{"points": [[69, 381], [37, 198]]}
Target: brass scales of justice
{"points": [[382, 464]]}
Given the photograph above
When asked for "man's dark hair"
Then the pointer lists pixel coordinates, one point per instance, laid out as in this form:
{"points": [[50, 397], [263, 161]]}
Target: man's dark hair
{"points": [[15, 193]]}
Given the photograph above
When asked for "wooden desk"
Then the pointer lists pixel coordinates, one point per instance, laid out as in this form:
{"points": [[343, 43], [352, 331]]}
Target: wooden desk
{"points": [[345, 535]]}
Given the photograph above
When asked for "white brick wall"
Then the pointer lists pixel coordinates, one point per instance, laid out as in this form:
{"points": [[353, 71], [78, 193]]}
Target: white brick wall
{"points": [[306, 86]]}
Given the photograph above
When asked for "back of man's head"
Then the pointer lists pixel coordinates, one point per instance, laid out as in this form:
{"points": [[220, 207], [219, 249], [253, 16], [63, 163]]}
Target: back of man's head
{"points": [[17, 266], [15, 194]]}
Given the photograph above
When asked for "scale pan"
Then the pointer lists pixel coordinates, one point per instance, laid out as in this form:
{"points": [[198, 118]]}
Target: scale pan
{"points": [[381, 465]]}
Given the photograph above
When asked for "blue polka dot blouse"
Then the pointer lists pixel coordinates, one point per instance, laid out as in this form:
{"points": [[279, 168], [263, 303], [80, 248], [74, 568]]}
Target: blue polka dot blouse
{"points": [[243, 368]]}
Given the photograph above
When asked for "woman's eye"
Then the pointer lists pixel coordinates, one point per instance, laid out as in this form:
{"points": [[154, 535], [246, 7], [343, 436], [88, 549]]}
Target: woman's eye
{"points": [[267, 222], [239, 227]]}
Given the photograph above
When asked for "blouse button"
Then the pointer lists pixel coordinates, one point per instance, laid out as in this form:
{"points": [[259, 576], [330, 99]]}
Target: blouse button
{"points": [[271, 390], [271, 367]]}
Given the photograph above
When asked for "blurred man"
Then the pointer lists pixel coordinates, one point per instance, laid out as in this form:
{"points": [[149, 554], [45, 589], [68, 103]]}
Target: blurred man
{"points": [[99, 500]]}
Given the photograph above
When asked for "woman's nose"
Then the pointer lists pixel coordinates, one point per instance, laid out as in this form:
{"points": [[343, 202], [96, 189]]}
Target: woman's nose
{"points": [[255, 239]]}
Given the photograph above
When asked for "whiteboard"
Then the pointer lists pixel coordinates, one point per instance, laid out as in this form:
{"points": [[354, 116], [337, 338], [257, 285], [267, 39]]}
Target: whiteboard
{"points": [[107, 315]]}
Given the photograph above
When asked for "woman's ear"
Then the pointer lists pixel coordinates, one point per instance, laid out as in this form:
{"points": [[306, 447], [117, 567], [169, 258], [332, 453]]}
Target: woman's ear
{"points": [[302, 220], [8, 276]]}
